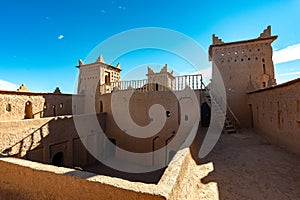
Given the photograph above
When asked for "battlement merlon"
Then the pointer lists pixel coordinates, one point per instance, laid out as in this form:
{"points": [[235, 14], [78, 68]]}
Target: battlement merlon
{"points": [[216, 40], [266, 33], [99, 60], [164, 70]]}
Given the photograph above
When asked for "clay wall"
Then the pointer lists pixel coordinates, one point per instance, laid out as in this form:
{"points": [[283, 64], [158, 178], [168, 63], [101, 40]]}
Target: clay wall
{"points": [[139, 106], [22, 105], [21, 179], [241, 67], [41, 139], [244, 66], [276, 114]]}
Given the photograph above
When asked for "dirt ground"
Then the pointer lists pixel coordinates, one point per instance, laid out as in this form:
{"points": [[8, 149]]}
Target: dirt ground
{"points": [[241, 166], [244, 166]]}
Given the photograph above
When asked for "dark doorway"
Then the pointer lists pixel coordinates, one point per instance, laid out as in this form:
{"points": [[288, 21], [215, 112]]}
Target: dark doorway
{"points": [[205, 115], [58, 159], [54, 110], [28, 110], [107, 78], [156, 86], [101, 106]]}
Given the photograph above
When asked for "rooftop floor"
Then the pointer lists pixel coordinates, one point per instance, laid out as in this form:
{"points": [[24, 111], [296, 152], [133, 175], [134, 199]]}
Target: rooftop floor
{"points": [[245, 166]]}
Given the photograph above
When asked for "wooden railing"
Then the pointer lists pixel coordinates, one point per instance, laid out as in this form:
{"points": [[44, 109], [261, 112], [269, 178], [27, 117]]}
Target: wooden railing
{"points": [[178, 83]]}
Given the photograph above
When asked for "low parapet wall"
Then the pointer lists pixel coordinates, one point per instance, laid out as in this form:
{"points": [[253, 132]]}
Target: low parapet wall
{"points": [[22, 179]]}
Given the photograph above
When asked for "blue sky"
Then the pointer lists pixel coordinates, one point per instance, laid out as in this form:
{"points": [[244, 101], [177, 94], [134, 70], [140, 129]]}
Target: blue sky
{"points": [[41, 41]]}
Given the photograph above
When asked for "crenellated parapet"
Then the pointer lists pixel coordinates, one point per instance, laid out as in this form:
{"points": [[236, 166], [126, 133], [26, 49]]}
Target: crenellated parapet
{"points": [[216, 40], [150, 71], [23, 88], [266, 33]]}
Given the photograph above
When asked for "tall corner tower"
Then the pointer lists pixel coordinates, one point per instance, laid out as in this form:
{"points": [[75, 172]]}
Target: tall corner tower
{"points": [[95, 79], [244, 66]]}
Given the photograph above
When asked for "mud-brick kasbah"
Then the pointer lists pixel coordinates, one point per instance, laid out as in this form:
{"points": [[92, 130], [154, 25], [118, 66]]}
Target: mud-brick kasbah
{"points": [[43, 157]]}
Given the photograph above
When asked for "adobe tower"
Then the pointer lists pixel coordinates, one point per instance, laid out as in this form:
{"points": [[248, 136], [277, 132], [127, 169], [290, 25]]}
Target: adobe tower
{"points": [[244, 66], [95, 79]]}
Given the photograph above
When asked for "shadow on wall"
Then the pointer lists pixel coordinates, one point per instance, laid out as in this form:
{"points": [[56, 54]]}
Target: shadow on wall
{"points": [[57, 143]]}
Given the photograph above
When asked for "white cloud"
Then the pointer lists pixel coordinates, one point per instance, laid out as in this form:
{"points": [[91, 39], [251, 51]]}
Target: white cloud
{"points": [[103, 11], [4, 85], [206, 73], [60, 37], [122, 7], [288, 74], [287, 54]]}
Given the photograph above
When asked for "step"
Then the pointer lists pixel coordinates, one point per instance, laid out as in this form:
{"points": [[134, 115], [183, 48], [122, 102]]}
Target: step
{"points": [[229, 126], [230, 131]]}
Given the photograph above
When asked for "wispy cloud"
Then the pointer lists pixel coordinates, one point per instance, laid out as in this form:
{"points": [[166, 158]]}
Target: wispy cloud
{"points": [[287, 54], [103, 11], [289, 74], [122, 7], [4, 85], [60, 37]]}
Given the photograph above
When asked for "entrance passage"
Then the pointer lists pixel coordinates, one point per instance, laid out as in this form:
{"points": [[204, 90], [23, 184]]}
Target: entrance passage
{"points": [[28, 110], [54, 110], [101, 106], [58, 159], [205, 115]]}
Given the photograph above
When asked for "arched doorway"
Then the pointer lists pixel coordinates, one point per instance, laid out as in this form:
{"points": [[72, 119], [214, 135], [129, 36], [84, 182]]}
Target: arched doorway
{"points": [[58, 159], [205, 115], [28, 110]]}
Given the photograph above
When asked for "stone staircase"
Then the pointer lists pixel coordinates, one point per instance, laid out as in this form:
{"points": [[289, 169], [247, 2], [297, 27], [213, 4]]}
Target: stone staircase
{"points": [[230, 127]]}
